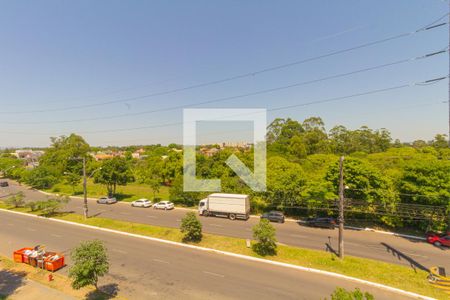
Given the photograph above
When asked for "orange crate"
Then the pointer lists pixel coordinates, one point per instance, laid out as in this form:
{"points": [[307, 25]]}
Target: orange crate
{"points": [[53, 265], [19, 255]]}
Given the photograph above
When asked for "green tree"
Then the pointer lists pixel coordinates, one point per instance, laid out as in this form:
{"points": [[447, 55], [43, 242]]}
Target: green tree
{"points": [[150, 172], [73, 179], [285, 181], [191, 227], [342, 294], [266, 242], [440, 141], [42, 177], [90, 261], [63, 152], [115, 171], [363, 182]]}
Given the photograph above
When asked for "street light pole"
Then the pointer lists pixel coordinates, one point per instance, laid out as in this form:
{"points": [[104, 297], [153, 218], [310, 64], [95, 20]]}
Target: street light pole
{"points": [[341, 207], [85, 207]]}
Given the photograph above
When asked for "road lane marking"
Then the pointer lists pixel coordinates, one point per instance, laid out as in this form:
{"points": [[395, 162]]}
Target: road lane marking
{"points": [[214, 274], [153, 217], [125, 213], [56, 235], [298, 236], [160, 261], [216, 225], [10, 224], [31, 229], [178, 220], [248, 229], [119, 251]]}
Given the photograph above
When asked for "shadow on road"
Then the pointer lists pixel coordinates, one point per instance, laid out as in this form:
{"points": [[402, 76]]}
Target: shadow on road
{"points": [[107, 291], [401, 256], [10, 281]]}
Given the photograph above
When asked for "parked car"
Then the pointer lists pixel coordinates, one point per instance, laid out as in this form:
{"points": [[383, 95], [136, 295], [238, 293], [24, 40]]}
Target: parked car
{"points": [[164, 205], [141, 203], [4, 184], [274, 216], [106, 200], [439, 239], [321, 222]]}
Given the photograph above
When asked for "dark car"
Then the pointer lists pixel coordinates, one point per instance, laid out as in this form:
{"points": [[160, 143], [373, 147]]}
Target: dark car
{"points": [[321, 222], [4, 183], [274, 216]]}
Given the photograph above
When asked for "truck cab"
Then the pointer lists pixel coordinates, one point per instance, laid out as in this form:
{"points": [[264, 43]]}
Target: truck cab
{"points": [[202, 206]]}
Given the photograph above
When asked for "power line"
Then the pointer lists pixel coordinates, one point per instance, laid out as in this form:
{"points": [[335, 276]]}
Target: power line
{"points": [[340, 75], [240, 76], [327, 100]]}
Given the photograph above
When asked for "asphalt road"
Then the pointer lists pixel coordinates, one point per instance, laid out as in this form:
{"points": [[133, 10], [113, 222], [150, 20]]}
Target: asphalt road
{"points": [[399, 250], [144, 269]]}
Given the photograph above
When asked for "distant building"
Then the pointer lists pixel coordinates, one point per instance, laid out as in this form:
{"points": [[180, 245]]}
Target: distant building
{"points": [[209, 152], [236, 145], [28, 154]]}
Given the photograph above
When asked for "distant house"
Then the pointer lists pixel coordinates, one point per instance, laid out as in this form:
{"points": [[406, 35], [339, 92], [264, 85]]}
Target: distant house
{"points": [[30, 157], [138, 154], [102, 156], [209, 152], [28, 154]]}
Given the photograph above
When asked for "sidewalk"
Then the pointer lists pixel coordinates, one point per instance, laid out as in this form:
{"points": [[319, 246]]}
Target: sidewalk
{"points": [[15, 286]]}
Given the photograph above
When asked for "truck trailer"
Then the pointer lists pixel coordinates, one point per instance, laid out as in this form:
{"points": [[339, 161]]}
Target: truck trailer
{"points": [[232, 206]]}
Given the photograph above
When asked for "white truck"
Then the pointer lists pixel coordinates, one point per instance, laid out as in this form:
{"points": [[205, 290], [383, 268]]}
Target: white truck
{"points": [[231, 206]]}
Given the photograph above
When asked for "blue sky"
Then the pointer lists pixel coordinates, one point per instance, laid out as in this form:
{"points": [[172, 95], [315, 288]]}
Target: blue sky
{"points": [[55, 55]]}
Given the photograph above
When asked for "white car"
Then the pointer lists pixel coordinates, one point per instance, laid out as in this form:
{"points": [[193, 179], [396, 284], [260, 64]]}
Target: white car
{"points": [[141, 203], [164, 205], [106, 200]]}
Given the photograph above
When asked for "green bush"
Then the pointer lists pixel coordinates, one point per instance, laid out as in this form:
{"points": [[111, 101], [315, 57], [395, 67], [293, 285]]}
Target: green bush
{"points": [[266, 243], [52, 205], [342, 294], [33, 206], [191, 228], [16, 200]]}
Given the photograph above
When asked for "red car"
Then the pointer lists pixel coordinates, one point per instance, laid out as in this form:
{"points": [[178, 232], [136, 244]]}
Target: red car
{"points": [[439, 240]]}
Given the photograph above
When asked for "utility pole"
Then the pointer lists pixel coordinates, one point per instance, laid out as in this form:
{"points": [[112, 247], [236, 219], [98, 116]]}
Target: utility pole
{"points": [[341, 207], [85, 207]]}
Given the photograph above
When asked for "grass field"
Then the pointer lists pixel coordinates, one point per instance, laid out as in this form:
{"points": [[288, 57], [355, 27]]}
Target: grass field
{"points": [[126, 193], [398, 276]]}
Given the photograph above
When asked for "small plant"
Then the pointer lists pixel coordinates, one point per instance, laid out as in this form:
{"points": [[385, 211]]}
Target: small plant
{"points": [[191, 227], [33, 206], [266, 243], [51, 206], [90, 261], [342, 294], [16, 200]]}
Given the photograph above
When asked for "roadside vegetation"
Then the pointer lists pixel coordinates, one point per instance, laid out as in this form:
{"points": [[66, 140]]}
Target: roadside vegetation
{"points": [[357, 294], [266, 242], [191, 228], [398, 276], [381, 175], [90, 261]]}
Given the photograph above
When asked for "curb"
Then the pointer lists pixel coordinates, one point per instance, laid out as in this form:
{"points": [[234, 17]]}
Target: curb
{"points": [[250, 258]]}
